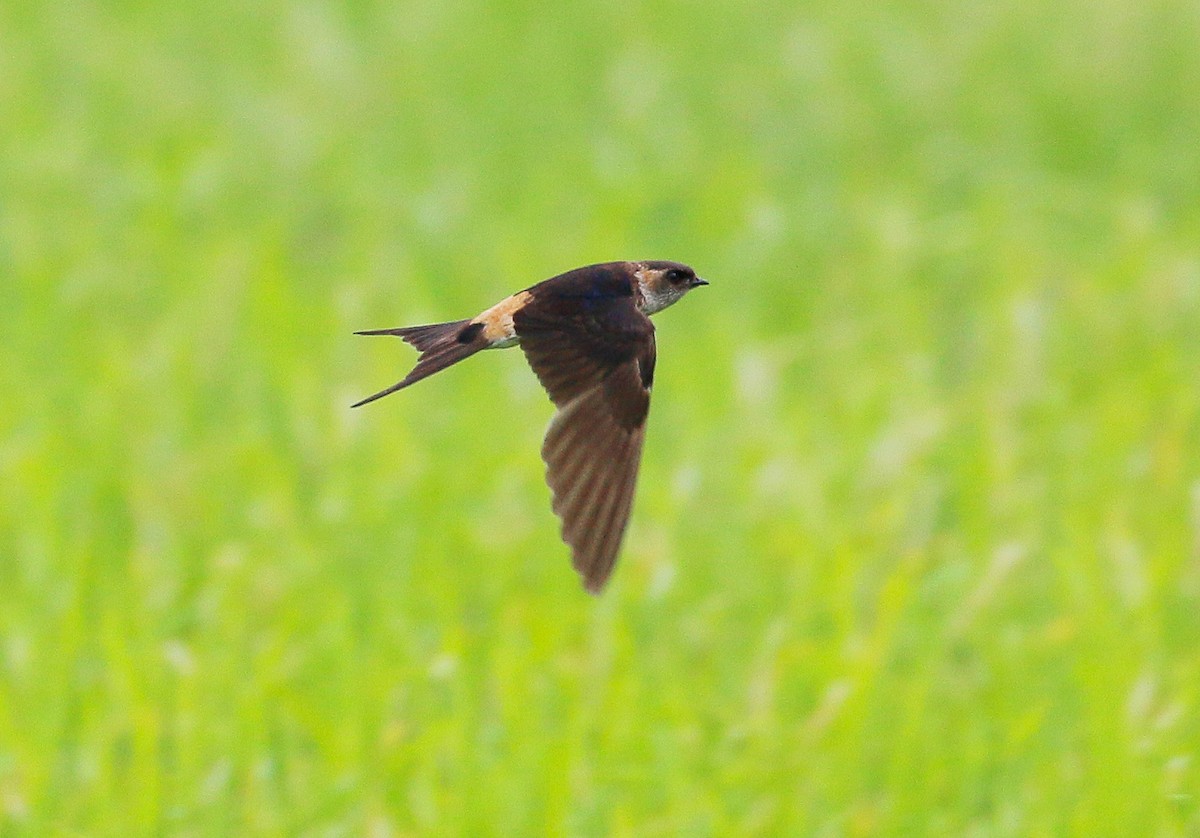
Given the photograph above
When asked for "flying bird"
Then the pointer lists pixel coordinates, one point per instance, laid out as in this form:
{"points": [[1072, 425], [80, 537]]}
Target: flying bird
{"points": [[587, 334]]}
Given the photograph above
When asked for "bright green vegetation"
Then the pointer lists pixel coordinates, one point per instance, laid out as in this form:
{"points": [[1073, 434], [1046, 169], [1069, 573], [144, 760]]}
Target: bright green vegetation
{"points": [[917, 544]]}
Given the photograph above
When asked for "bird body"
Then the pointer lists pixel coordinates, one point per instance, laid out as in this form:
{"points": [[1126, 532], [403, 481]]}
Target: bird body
{"points": [[587, 335]]}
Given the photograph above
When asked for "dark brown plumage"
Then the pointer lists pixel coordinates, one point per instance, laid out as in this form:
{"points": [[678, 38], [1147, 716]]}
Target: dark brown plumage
{"points": [[588, 338]]}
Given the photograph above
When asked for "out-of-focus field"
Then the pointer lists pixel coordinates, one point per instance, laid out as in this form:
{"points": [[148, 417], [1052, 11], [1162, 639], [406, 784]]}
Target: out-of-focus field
{"points": [[917, 544]]}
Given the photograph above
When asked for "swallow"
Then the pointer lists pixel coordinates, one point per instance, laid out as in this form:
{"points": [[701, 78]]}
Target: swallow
{"points": [[587, 335]]}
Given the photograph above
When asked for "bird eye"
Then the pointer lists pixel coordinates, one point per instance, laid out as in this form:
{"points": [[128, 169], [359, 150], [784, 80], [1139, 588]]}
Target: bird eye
{"points": [[676, 276]]}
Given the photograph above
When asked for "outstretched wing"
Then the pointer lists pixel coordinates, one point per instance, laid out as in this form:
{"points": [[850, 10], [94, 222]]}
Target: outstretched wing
{"points": [[594, 353]]}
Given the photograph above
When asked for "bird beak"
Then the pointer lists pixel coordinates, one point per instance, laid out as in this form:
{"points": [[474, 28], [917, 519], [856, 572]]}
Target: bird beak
{"points": [[697, 282]]}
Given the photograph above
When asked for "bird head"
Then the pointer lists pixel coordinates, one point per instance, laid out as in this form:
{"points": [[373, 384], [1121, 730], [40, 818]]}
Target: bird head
{"points": [[664, 283]]}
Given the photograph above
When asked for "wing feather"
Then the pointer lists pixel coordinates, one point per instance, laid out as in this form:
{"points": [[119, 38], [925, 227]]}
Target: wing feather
{"points": [[592, 477], [593, 351]]}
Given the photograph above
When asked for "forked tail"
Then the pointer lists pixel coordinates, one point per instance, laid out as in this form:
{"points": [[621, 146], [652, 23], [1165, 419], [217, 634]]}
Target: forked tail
{"points": [[441, 345]]}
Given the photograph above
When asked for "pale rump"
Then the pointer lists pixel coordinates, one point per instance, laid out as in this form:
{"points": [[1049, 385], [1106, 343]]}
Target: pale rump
{"points": [[497, 321]]}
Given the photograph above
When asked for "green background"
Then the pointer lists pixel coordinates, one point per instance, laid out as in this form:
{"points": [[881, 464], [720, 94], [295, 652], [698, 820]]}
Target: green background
{"points": [[916, 549]]}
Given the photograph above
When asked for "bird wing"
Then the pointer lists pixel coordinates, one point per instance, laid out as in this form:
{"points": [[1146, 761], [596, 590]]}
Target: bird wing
{"points": [[595, 356]]}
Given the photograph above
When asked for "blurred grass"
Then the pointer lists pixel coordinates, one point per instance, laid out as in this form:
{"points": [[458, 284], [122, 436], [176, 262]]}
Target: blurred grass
{"points": [[917, 544]]}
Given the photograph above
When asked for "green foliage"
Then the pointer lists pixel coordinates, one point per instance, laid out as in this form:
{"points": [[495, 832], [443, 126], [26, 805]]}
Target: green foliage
{"points": [[917, 544]]}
